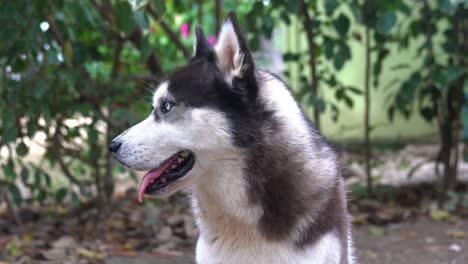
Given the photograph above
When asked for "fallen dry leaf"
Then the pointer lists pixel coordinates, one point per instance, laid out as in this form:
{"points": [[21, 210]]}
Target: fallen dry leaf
{"points": [[90, 253], [27, 236], [457, 234], [439, 215], [360, 219], [407, 234]]}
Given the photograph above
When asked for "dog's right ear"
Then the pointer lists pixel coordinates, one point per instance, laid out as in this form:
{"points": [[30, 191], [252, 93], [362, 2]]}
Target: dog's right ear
{"points": [[201, 47]]}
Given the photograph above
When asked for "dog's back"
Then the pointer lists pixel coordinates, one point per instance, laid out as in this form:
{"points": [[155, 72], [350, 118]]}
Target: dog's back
{"points": [[282, 199]]}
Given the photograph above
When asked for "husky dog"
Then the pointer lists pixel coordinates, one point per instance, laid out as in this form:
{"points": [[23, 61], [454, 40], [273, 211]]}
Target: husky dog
{"points": [[265, 186]]}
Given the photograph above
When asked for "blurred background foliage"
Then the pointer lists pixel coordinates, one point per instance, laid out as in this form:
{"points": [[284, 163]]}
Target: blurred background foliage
{"points": [[74, 74]]}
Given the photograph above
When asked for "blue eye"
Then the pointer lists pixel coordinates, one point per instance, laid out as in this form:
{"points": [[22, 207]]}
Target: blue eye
{"points": [[166, 106]]}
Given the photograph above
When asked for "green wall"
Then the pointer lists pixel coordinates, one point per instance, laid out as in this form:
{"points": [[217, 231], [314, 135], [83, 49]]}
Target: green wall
{"points": [[349, 127]]}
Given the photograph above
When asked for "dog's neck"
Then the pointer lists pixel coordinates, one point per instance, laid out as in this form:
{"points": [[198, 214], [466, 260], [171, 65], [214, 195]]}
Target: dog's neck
{"points": [[221, 205]]}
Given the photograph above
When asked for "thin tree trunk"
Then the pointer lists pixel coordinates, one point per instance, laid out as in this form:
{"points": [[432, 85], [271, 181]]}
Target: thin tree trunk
{"points": [[367, 142], [454, 108], [307, 23]]}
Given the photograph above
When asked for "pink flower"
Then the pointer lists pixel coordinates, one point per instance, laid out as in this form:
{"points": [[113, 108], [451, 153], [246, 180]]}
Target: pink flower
{"points": [[184, 29], [211, 40]]}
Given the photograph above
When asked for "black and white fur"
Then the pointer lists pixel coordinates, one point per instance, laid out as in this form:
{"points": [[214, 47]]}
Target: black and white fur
{"points": [[266, 185]]}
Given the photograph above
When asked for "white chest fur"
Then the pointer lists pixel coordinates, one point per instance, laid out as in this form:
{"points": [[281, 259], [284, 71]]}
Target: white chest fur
{"points": [[325, 251]]}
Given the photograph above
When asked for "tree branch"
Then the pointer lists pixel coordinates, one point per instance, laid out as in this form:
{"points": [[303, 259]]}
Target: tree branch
{"points": [[55, 31], [170, 33], [116, 62]]}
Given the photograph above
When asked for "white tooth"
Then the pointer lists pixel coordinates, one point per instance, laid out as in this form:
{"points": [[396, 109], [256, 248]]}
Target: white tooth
{"points": [[179, 160], [173, 166], [185, 154]]}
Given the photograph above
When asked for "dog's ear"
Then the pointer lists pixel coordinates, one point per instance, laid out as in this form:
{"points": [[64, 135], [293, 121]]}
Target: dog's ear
{"points": [[232, 52], [201, 47]]}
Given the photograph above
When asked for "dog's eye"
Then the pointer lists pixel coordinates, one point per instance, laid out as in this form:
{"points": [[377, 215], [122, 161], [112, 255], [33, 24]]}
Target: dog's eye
{"points": [[166, 106]]}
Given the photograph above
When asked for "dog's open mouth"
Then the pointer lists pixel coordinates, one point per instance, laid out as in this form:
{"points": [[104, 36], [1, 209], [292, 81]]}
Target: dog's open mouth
{"points": [[168, 172]]}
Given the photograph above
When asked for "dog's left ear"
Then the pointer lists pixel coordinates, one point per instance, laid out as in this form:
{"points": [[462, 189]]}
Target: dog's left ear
{"points": [[201, 46], [233, 54]]}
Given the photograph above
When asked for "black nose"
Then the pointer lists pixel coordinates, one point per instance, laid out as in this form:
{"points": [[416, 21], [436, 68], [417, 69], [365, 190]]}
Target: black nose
{"points": [[114, 146]]}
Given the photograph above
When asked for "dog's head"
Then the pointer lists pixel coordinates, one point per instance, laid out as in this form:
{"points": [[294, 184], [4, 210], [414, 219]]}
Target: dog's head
{"points": [[195, 112]]}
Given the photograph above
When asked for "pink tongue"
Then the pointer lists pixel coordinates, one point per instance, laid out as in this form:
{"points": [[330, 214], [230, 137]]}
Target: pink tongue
{"points": [[154, 174]]}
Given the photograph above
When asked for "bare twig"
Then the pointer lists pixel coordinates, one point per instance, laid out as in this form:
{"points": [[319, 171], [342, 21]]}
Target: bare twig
{"points": [[218, 8], [200, 12], [55, 31], [308, 27]]}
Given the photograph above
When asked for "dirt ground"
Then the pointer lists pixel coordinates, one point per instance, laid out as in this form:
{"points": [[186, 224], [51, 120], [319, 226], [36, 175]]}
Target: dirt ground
{"points": [[423, 241]]}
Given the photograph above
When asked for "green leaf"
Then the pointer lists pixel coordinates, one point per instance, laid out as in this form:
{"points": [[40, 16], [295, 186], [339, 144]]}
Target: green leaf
{"points": [[342, 56], [320, 105], [37, 178], [400, 66], [22, 149], [354, 90], [79, 53], [40, 89], [465, 122], [446, 76], [124, 18], [24, 174], [60, 195], [377, 231], [427, 113], [74, 198], [9, 170], [342, 25], [159, 7], [386, 22], [293, 6], [289, 56], [329, 46], [446, 7], [15, 193], [330, 6], [141, 19], [9, 127], [285, 17], [348, 101], [48, 181], [41, 196]]}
